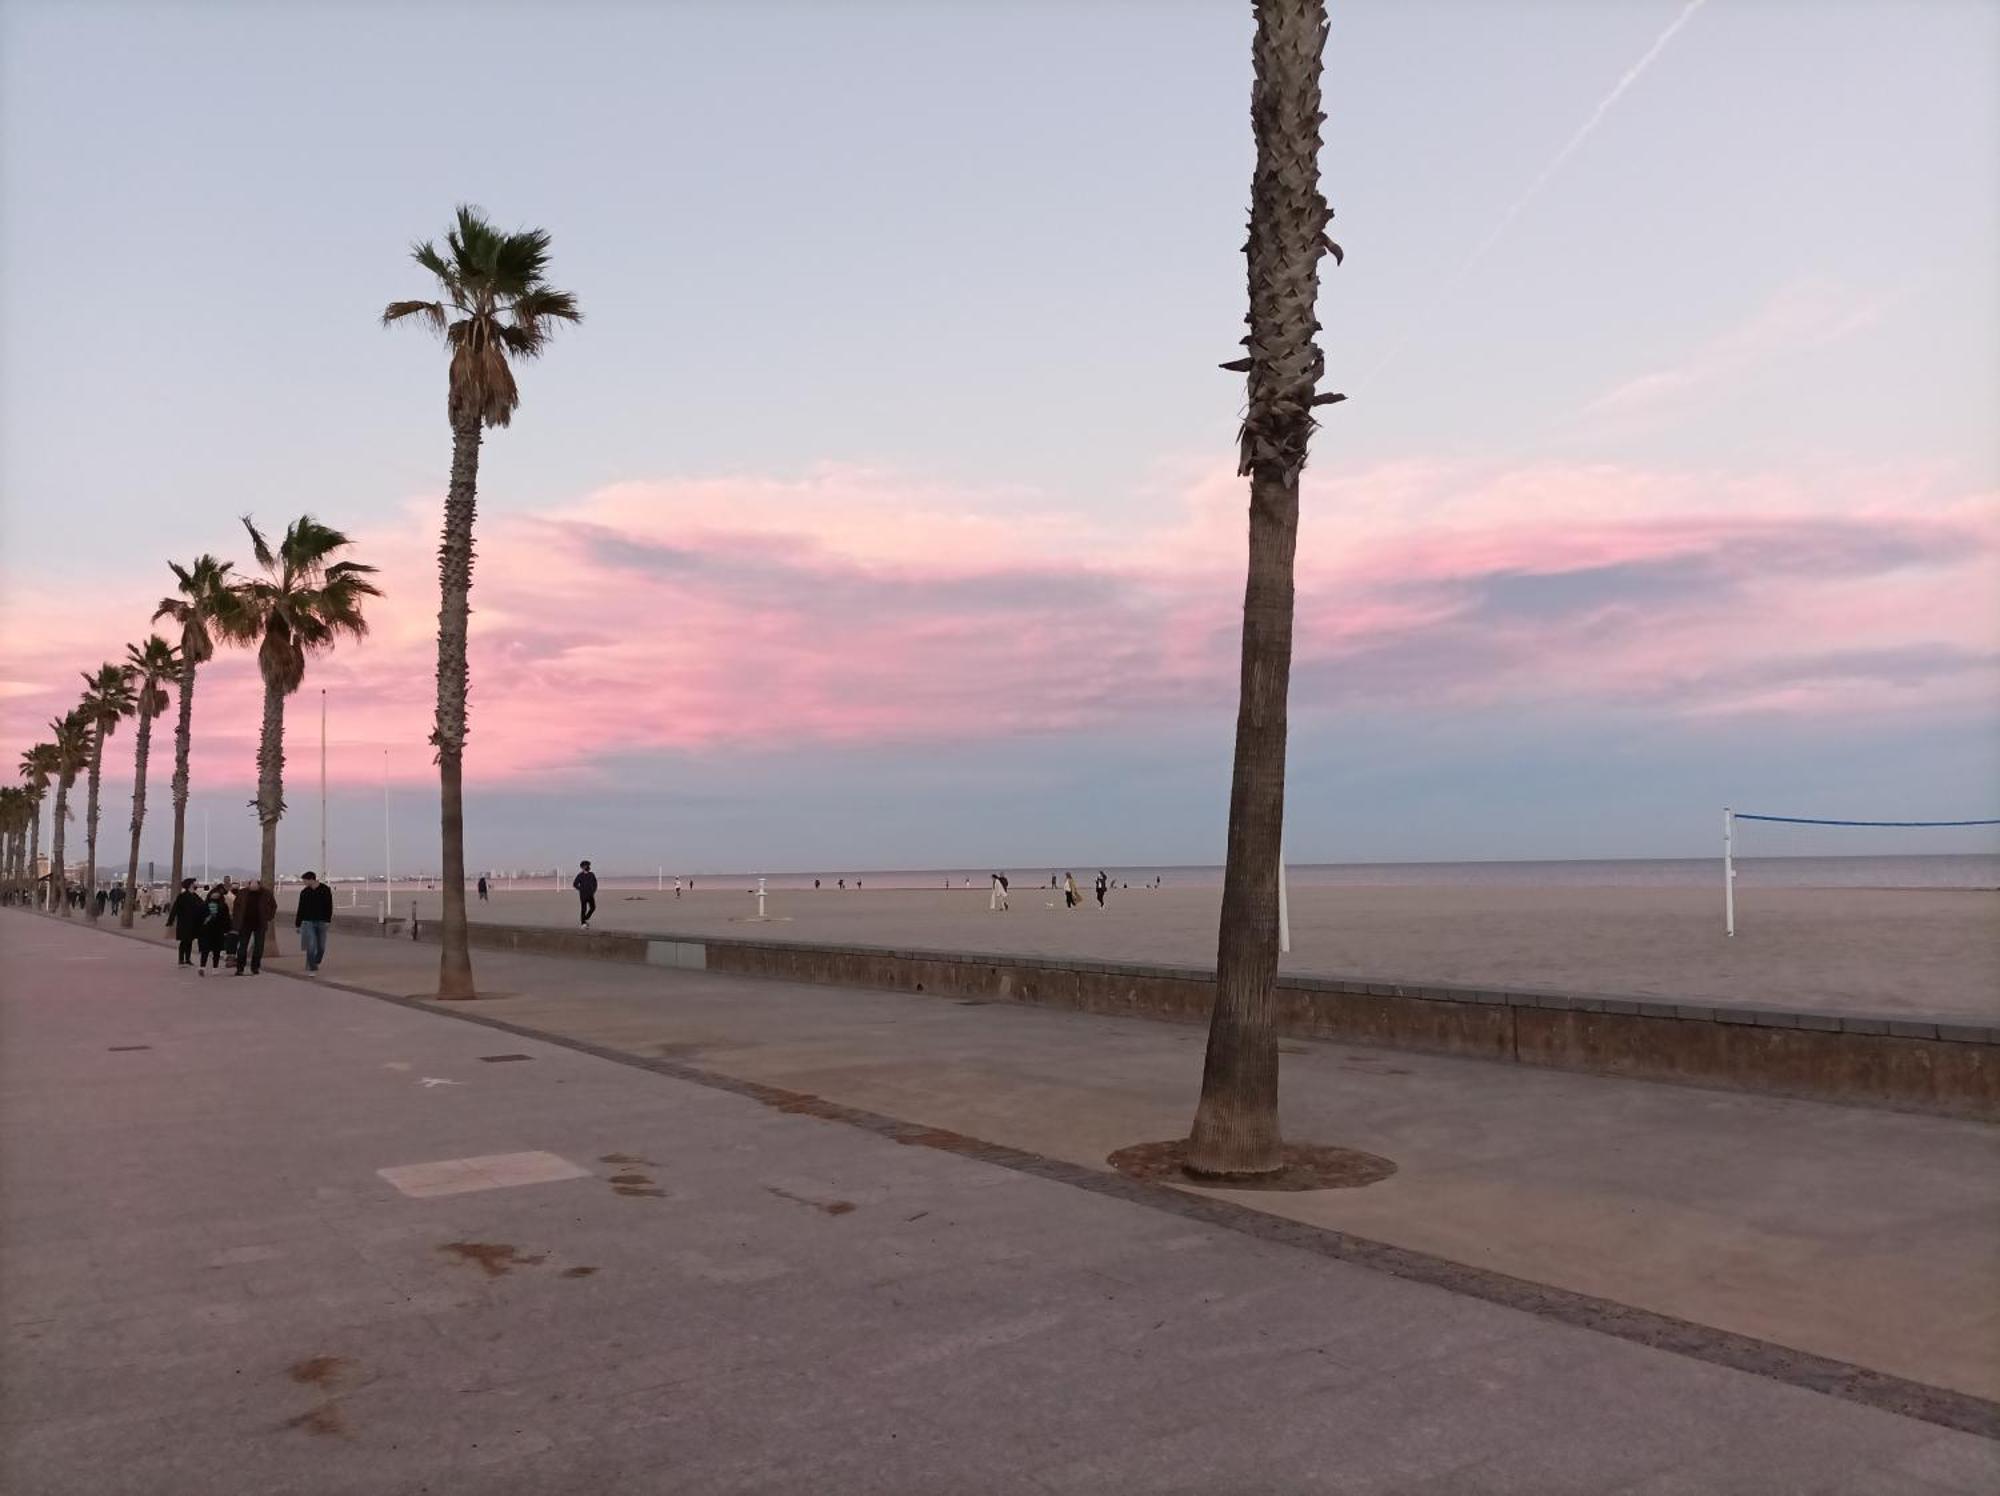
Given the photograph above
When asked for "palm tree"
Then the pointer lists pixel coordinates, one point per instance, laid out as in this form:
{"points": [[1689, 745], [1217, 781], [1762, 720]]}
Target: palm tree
{"points": [[13, 828], [303, 603], [151, 665], [1236, 1125], [107, 696], [72, 734], [204, 604], [500, 308], [38, 766]]}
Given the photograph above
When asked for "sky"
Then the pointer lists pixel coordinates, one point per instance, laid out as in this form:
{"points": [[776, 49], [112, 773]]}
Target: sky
{"points": [[883, 511]]}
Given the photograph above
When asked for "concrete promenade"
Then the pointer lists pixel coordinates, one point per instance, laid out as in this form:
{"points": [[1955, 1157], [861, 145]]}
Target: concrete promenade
{"points": [[271, 1236]]}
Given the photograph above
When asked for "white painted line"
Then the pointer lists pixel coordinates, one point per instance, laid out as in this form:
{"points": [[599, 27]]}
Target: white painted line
{"points": [[460, 1176]]}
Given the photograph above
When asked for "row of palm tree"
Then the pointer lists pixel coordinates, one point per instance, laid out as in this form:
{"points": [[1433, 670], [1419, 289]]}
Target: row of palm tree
{"points": [[303, 600], [495, 306]]}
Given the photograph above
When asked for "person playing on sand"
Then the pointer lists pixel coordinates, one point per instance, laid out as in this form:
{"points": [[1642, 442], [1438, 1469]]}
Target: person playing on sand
{"points": [[585, 884], [482, 888], [998, 898], [1103, 884]]}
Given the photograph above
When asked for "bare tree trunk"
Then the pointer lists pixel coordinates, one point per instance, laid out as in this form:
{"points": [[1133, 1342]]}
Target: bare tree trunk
{"points": [[454, 612], [34, 842], [1236, 1125], [183, 735], [90, 826], [271, 796], [141, 751], [58, 874]]}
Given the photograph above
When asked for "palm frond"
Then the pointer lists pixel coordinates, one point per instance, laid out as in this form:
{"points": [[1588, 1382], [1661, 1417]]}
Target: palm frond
{"points": [[431, 312]]}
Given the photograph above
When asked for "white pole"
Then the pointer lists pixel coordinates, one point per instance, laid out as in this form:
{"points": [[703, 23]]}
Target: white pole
{"points": [[760, 898], [662, 883], [324, 872], [1728, 871], [1284, 905], [388, 886]]}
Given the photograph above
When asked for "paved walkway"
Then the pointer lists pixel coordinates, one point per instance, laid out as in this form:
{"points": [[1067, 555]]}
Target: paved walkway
{"points": [[578, 1276]]}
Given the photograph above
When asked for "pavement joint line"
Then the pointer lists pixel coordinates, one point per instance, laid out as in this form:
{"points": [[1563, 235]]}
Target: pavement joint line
{"points": [[1943, 1407]]}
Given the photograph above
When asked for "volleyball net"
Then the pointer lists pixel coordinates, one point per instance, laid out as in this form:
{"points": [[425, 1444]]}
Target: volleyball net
{"points": [[1731, 849]]}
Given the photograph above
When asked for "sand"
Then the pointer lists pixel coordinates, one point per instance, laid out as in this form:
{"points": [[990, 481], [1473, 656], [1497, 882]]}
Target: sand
{"points": [[1847, 950]]}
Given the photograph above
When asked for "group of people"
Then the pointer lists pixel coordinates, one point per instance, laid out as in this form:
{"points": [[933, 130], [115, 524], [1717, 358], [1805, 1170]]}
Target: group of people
{"points": [[232, 921]]}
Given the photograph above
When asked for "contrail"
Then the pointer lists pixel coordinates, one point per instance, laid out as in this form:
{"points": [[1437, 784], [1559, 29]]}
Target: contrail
{"points": [[1542, 179]]}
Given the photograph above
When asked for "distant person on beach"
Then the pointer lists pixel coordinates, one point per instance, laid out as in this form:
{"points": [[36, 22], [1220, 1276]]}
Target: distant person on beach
{"points": [[1103, 883], [314, 919], [998, 898], [585, 884], [189, 913], [677, 887], [843, 885], [256, 907], [1070, 895], [482, 889]]}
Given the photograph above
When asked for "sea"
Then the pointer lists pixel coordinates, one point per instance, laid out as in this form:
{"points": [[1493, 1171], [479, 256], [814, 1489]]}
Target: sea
{"points": [[1975, 870]]}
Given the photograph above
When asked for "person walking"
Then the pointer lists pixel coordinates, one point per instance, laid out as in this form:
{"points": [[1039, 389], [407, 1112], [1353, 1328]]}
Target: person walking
{"points": [[256, 907], [186, 917], [1103, 884], [998, 898], [1071, 898], [213, 935], [314, 919], [585, 884], [482, 888]]}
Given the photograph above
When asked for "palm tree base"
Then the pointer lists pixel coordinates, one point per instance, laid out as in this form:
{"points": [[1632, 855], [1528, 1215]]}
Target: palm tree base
{"points": [[1304, 1166]]}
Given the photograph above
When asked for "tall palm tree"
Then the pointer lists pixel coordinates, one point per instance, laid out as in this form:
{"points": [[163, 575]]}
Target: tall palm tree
{"points": [[497, 306], [107, 697], [38, 767], [204, 604], [151, 665], [1236, 1125], [303, 603], [71, 740], [13, 831]]}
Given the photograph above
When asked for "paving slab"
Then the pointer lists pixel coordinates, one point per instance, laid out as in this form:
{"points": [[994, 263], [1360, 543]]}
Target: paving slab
{"points": [[267, 1314]]}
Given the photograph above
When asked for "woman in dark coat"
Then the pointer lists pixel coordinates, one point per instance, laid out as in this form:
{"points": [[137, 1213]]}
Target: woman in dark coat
{"points": [[186, 917], [215, 926]]}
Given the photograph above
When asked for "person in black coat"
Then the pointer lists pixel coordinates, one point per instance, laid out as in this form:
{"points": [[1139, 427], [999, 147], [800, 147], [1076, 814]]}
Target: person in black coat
{"points": [[186, 917], [214, 929], [585, 884]]}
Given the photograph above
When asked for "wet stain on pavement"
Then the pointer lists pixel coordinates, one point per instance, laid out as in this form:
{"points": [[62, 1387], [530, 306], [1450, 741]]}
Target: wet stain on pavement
{"points": [[825, 1207], [627, 1158], [127, 1048], [326, 1419], [494, 1258], [319, 1371], [578, 1272]]}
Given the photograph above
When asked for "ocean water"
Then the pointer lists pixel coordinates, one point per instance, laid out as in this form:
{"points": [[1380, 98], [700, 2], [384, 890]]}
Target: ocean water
{"points": [[1980, 870]]}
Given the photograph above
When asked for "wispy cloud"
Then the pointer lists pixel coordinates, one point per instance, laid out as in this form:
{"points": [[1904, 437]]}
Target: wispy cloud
{"points": [[1798, 318]]}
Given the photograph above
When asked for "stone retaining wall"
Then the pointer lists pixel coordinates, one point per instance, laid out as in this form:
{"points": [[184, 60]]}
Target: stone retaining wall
{"points": [[1910, 1063]]}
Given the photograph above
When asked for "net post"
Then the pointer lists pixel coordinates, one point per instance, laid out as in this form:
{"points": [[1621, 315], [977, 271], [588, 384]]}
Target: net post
{"points": [[1728, 871]]}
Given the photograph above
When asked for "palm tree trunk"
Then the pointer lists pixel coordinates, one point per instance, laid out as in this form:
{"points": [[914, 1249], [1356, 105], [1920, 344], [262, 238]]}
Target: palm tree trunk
{"points": [[183, 735], [58, 874], [34, 842], [454, 611], [90, 826], [1236, 1125], [271, 796], [141, 752]]}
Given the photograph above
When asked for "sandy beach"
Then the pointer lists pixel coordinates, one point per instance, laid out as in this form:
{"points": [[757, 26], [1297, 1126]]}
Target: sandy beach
{"points": [[1850, 950]]}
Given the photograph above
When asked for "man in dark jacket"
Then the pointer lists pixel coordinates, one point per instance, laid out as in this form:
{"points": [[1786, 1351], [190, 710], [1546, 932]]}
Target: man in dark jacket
{"points": [[314, 919], [585, 884], [186, 917], [256, 907]]}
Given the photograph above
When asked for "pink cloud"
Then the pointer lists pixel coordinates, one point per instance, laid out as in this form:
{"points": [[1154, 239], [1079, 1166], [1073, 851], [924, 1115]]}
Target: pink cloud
{"points": [[853, 605]]}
